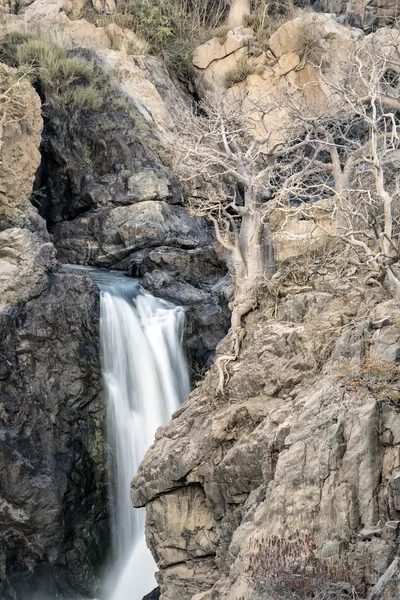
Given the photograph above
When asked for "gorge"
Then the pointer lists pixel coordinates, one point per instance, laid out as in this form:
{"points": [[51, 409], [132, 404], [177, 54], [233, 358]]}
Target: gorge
{"points": [[239, 159]]}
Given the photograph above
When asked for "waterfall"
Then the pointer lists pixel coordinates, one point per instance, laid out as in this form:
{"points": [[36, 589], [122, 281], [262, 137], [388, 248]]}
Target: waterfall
{"points": [[145, 380]]}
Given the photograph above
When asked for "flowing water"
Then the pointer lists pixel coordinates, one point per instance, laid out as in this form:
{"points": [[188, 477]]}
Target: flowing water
{"points": [[145, 379]]}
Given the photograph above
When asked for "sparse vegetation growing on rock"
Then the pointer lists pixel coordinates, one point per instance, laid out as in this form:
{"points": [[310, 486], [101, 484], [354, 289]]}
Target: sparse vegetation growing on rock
{"points": [[172, 28], [378, 376], [66, 83], [283, 569], [239, 73], [267, 16]]}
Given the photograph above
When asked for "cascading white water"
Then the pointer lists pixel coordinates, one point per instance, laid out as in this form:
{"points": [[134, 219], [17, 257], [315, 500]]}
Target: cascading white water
{"points": [[145, 379]]}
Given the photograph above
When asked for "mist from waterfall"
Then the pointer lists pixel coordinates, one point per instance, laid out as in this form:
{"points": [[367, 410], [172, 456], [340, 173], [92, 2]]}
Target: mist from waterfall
{"points": [[145, 379]]}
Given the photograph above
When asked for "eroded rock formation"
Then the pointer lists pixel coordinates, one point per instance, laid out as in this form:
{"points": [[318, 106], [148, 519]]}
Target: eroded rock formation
{"points": [[53, 516], [288, 449]]}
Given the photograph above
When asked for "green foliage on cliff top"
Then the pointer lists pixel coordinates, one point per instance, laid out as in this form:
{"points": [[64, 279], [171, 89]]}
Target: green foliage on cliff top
{"points": [[67, 83], [172, 28]]}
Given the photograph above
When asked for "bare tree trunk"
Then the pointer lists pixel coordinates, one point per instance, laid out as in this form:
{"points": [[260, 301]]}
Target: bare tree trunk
{"points": [[238, 12], [253, 259]]}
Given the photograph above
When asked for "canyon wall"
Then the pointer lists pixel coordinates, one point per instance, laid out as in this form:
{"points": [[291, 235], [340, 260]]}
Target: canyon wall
{"points": [[53, 523]]}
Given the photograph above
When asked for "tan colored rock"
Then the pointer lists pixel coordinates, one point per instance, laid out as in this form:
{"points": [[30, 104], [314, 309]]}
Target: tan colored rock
{"points": [[104, 6], [188, 532], [287, 450], [213, 50], [81, 34], [286, 63], [24, 264], [204, 54], [125, 41], [19, 156], [134, 83], [295, 236], [213, 78], [238, 12], [40, 12]]}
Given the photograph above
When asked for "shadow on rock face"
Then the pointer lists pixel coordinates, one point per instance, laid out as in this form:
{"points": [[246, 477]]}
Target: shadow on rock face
{"points": [[154, 595]]}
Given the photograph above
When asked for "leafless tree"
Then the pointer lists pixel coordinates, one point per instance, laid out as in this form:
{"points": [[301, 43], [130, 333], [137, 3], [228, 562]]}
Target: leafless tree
{"points": [[13, 107], [341, 156], [354, 160], [230, 145]]}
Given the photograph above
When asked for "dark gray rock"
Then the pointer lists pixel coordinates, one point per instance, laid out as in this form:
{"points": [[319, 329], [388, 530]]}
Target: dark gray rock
{"points": [[53, 514], [154, 595], [171, 251]]}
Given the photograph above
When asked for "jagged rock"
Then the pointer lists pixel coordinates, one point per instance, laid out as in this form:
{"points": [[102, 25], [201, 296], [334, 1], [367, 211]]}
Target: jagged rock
{"points": [[361, 13], [54, 531], [110, 237], [154, 595], [173, 252], [388, 586], [19, 157], [53, 516], [391, 530], [394, 495], [214, 50], [285, 449], [146, 185]]}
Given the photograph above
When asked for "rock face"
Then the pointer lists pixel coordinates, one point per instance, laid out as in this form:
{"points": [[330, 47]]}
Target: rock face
{"points": [[288, 449], [110, 201], [53, 524], [53, 502]]}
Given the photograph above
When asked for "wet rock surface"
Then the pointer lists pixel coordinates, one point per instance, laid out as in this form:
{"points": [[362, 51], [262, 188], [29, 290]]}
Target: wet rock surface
{"points": [[54, 530]]}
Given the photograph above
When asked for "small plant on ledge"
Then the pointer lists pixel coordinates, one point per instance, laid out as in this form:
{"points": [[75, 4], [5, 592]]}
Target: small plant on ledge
{"points": [[289, 569]]}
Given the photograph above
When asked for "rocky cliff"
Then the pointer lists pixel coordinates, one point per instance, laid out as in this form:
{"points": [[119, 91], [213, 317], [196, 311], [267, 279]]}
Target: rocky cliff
{"points": [[53, 487], [290, 449], [302, 444]]}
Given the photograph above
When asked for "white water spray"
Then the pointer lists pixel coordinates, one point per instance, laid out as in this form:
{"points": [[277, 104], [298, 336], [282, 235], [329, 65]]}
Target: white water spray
{"points": [[146, 379]]}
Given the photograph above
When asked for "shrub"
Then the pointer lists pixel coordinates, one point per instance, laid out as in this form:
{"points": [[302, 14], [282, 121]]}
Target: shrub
{"points": [[39, 52], [379, 376], [239, 73], [267, 16], [171, 28], [79, 99], [311, 44], [289, 569], [9, 45], [66, 83], [147, 20]]}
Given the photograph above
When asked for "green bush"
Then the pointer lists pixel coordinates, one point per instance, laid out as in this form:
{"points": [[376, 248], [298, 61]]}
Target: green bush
{"points": [[82, 99], [9, 45], [146, 19], [67, 83]]}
